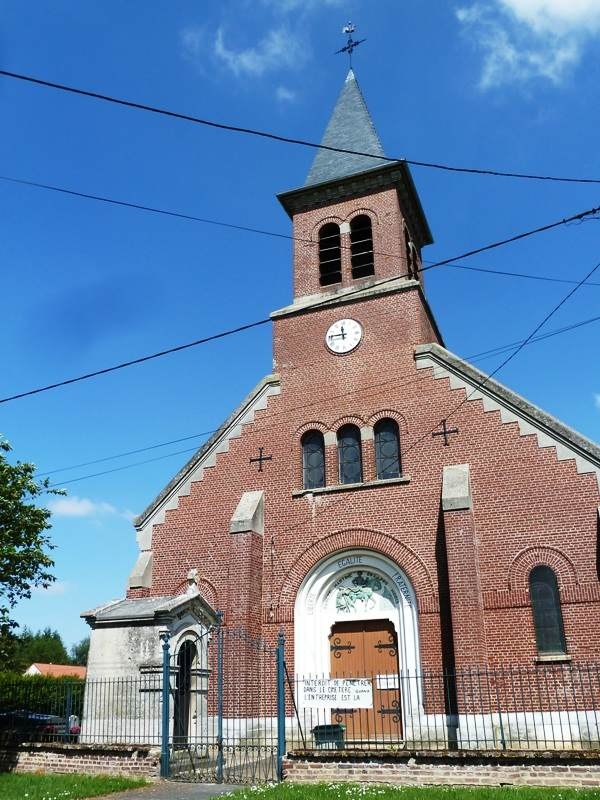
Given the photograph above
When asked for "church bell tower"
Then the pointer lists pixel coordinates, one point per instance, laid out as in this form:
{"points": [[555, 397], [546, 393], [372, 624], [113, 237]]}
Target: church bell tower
{"points": [[359, 230]]}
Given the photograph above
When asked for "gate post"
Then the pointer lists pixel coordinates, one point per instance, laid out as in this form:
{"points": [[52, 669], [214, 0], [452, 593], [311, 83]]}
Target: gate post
{"points": [[280, 702], [219, 634], [166, 693]]}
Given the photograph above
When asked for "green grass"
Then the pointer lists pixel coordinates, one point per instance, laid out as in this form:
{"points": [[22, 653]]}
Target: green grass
{"points": [[15, 786], [354, 791]]}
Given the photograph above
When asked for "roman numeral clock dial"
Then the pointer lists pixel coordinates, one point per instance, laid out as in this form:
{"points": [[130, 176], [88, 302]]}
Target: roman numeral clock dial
{"points": [[343, 336]]}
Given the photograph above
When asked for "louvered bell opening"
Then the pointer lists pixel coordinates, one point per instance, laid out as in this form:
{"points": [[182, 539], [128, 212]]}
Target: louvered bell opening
{"points": [[361, 247], [330, 255]]}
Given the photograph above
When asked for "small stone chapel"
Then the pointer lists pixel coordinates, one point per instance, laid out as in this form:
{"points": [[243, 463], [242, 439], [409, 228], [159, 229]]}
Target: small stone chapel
{"points": [[375, 487]]}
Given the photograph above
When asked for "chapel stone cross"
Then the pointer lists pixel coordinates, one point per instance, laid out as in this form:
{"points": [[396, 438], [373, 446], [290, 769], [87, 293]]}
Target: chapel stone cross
{"points": [[260, 459], [445, 432]]}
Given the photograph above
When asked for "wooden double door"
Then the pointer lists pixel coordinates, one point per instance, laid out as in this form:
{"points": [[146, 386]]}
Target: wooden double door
{"points": [[368, 649]]}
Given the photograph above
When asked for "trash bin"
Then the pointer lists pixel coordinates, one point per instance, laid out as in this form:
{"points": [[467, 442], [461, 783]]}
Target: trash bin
{"points": [[329, 737]]}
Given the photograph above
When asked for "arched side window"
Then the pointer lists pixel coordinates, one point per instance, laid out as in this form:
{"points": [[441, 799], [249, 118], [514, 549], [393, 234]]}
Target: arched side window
{"points": [[361, 247], [547, 615], [387, 449], [313, 460], [330, 254], [349, 454], [410, 265]]}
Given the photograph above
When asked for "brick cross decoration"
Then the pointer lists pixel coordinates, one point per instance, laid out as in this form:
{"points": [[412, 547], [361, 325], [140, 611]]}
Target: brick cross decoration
{"points": [[445, 432], [260, 459]]}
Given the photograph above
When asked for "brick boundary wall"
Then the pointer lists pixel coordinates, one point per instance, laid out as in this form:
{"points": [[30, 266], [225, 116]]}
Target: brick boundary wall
{"points": [[135, 761], [417, 768]]}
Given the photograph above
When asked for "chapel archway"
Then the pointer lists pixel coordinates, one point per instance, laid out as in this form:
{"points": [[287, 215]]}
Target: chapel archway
{"points": [[367, 590]]}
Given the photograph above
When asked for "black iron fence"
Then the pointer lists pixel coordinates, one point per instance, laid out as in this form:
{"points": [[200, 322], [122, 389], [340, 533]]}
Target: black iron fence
{"points": [[527, 708], [33, 708], [233, 709]]}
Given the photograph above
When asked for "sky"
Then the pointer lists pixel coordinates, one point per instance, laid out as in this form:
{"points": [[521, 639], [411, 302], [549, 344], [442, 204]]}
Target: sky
{"points": [[510, 85]]}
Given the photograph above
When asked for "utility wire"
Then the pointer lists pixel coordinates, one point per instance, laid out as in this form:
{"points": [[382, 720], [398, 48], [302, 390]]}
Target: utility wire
{"points": [[140, 360], [285, 139], [476, 357], [246, 228], [119, 469], [324, 303], [516, 351], [503, 348], [122, 455]]}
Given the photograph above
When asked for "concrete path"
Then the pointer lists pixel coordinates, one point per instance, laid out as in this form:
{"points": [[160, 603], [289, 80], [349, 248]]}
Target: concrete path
{"points": [[173, 790]]}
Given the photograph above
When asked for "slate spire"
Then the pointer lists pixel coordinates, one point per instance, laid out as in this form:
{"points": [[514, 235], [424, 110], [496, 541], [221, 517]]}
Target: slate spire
{"points": [[350, 128]]}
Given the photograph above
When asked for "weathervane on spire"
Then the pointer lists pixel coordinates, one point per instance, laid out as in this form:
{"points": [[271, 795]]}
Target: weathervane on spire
{"points": [[349, 28]]}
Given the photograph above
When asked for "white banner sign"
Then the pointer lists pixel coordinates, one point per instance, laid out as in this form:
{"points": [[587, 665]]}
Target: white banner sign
{"points": [[335, 693]]}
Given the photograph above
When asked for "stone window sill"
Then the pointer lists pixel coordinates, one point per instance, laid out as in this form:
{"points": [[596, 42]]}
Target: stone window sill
{"points": [[553, 658], [352, 487]]}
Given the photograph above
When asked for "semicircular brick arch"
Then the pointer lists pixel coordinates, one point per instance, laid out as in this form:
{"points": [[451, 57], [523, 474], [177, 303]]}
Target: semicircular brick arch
{"points": [[530, 557], [387, 545]]}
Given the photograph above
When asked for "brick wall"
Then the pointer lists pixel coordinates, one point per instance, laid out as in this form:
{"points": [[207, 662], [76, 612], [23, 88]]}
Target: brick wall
{"points": [[136, 761], [528, 507], [422, 769]]}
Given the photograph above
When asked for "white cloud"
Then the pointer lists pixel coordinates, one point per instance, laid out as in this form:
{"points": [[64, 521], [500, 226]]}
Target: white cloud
{"points": [[597, 401], [79, 507], [559, 16], [285, 95], [524, 40], [84, 507], [193, 42], [286, 6], [279, 48]]}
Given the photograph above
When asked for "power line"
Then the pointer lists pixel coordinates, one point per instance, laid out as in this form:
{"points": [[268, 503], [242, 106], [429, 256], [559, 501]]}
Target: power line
{"points": [[509, 274], [285, 139], [325, 302], [245, 228], [477, 356], [503, 348], [140, 360], [120, 469], [516, 351], [122, 455]]}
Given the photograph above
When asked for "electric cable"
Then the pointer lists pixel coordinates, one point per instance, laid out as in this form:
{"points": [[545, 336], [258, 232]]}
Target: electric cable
{"points": [[284, 139], [245, 228], [324, 303], [477, 356]]}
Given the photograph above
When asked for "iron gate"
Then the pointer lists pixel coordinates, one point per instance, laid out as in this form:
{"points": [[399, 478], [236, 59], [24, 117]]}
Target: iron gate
{"points": [[223, 698]]}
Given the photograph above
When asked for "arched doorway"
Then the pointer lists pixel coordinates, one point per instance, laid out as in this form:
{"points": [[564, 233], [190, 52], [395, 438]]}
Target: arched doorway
{"points": [[183, 707], [364, 600]]}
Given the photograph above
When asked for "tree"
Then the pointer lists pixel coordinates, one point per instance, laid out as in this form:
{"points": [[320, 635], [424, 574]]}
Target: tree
{"points": [[44, 647], [79, 652], [24, 559]]}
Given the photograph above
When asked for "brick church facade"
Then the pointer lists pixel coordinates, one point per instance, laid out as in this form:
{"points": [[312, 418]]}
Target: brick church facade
{"points": [[374, 477]]}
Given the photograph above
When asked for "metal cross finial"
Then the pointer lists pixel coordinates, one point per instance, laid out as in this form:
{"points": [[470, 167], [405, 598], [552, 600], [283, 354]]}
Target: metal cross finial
{"points": [[349, 29]]}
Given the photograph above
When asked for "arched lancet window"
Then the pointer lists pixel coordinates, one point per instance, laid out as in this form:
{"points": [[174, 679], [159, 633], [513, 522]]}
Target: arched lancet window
{"points": [[387, 449], [313, 460], [415, 260], [349, 454], [330, 254], [361, 247], [410, 265], [547, 615]]}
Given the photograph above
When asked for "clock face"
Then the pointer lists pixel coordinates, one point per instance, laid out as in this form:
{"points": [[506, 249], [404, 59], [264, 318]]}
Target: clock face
{"points": [[343, 336]]}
